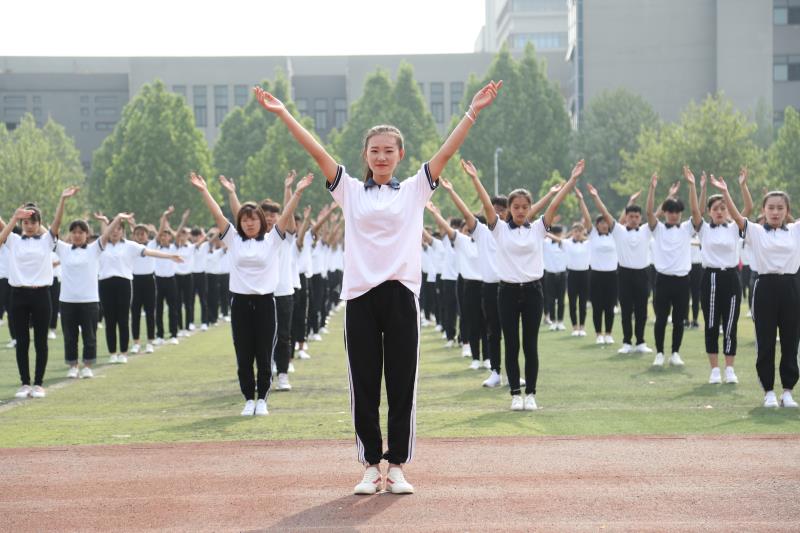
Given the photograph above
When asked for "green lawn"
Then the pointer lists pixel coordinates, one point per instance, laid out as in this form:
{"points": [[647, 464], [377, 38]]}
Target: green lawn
{"points": [[190, 393]]}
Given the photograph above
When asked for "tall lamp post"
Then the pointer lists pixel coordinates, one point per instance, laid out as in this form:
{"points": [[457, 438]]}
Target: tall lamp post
{"points": [[496, 155]]}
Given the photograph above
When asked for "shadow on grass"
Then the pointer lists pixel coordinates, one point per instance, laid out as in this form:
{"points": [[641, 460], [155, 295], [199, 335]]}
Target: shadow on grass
{"points": [[343, 514], [205, 426], [767, 417], [709, 391]]}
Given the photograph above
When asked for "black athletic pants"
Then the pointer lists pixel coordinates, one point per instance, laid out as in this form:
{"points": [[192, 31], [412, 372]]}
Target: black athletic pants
{"points": [[30, 307], [382, 338], [449, 308], [115, 295], [633, 294], [556, 283], [80, 319], [603, 288], [55, 292], [284, 348], [439, 301], [671, 293], [200, 288], [300, 311], [775, 299], [578, 292], [521, 302], [722, 299], [253, 324], [696, 282], [167, 292], [213, 281], [5, 302], [472, 318], [491, 315], [315, 303], [144, 297], [185, 300], [744, 282], [225, 294]]}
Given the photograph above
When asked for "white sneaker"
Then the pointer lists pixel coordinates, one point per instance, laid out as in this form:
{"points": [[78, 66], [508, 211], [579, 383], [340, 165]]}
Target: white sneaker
{"points": [[609, 339], [370, 483], [600, 340], [675, 359], [492, 381], [72, 373], [23, 392], [158, 342], [203, 327], [770, 400], [626, 349], [438, 327], [521, 382], [424, 322], [530, 403], [181, 333], [86, 373], [122, 359], [444, 335], [466, 351], [174, 340], [274, 368], [249, 408], [316, 337], [787, 400], [296, 346], [291, 368], [582, 333], [51, 334], [716, 377], [324, 330], [39, 392], [12, 344], [100, 325], [135, 348], [643, 348], [576, 333], [396, 482], [261, 408], [148, 348], [449, 344], [659, 360], [749, 314], [283, 382], [475, 364], [552, 327], [227, 318], [730, 375], [191, 327], [517, 403], [113, 359], [302, 354], [561, 326], [487, 364], [304, 347]]}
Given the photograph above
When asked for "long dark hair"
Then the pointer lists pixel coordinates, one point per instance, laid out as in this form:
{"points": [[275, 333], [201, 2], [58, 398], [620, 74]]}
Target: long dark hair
{"points": [[383, 129]]}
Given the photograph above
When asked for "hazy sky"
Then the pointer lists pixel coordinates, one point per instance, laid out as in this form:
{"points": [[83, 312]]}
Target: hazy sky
{"points": [[238, 27]]}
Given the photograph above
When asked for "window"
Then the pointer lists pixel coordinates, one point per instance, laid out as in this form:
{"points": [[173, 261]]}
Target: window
{"points": [[14, 113], [200, 109], [240, 95], [14, 99], [541, 41], [321, 114], [786, 68], [437, 101], [179, 89], [84, 126], [105, 111], [107, 99], [220, 103], [302, 106], [37, 112], [456, 94], [37, 100], [785, 14], [84, 111], [104, 126], [339, 112], [538, 5], [84, 98]]}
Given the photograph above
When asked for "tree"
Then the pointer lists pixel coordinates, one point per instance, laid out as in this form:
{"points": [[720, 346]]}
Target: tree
{"points": [[569, 210], [36, 164], [143, 165], [784, 157], [710, 136], [528, 121], [611, 123]]}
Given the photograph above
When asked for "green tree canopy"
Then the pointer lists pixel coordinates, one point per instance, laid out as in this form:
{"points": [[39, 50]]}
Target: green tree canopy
{"points": [[784, 158], [36, 164], [143, 165]]}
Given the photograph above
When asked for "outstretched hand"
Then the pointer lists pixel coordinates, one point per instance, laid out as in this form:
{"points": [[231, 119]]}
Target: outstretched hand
{"points": [[290, 178], [432, 208], [591, 189], [227, 184], [22, 213], [303, 184], [486, 95], [743, 176], [185, 216], [579, 194], [673, 190], [267, 101], [654, 180], [719, 183], [446, 184], [687, 174], [100, 216], [307, 212], [577, 169], [469, 168], [703, 179], [198, 182], [634, 197], [69, 192]]}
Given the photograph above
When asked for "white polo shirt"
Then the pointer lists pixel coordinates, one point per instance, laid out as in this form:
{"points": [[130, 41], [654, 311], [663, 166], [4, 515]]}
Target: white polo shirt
{"points": [[144, 265], [555, 257], [304, 263], [696, 253], [254, 264], [214, 260], [116, 260], [383, 224], [672, 249], [448, 261], [603, 252], [56, 267], [433, 251], [3, 262], [30, 262], [519, 248], [467, 257], [633, 246], [744, 252], [165, 268], [487, 252], [286, 271], [187, 254], [719, 245], [199, 258], [79, 272], [774, 251], [578, 254]]}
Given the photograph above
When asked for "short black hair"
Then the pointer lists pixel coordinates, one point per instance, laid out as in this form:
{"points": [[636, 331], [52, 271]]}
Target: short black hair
{"points": [[481, 219], [196, 231], [599, 219], [633, 209], [79, 224], [672, 205], [501, 200], [456, 223], [555, 230]]}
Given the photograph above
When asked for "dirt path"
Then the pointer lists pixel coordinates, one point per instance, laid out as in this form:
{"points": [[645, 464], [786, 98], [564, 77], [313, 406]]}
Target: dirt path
{"points": [[512, 484]]}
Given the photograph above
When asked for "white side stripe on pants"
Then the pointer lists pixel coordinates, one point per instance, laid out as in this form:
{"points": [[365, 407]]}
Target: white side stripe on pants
{"points": [[359, 445], [412, 434]]}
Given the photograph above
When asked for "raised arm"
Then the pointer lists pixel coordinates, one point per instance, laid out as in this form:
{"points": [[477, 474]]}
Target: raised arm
{"points": [[213, 207], [19, 214], [56, 225], [112, 226], [734, 212], [703, 192], [287, 216], [326, 163], [301, 234], [486, 201], [469, 218], [697, 216], [233, 200], [184, 218], [673, 193], [544, 201], [163, 223], [163, 255], [550, 214], [291, 227], [748, 199], [652, 220], [600, 207], [440, 221], [632, 200], [322, 216], [482, 99], [104, 222]]}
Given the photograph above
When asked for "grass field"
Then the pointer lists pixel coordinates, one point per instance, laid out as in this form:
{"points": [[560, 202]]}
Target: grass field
{"points": [[190, 393]]}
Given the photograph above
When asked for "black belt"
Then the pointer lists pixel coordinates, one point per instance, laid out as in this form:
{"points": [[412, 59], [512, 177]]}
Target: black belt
{"points": [[726, 269]]}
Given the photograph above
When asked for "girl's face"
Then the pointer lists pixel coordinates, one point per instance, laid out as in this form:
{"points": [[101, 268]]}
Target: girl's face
{"points": [[30, 227], [272, 219], [182, 238], [520, 207], [383, 155], [78, 237], [673, 218], [579, 233], [140, 236], [251, 225], [164, 239], [775, 211], [602, 227], [719, 212], [116, 234]]}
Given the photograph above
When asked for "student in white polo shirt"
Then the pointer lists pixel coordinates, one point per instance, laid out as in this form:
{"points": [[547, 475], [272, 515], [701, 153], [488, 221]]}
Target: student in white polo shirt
{"points": [[578, 259], [720, 287], [672, 260], [143, 291], [214, 272], [30, 270], [381, 283], [5, 290], [255, 272], [199, 277], [775, 257], [555, 278], [183, 277]]}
